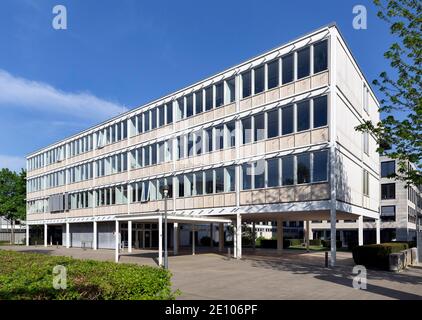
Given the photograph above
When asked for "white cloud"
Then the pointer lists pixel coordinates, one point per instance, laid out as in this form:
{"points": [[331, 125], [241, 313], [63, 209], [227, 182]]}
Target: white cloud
{"points": [[12, 163], [22, 93]]}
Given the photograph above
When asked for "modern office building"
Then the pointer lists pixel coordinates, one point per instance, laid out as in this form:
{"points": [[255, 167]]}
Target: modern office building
{"points": [[270, 139], [400, 205]]}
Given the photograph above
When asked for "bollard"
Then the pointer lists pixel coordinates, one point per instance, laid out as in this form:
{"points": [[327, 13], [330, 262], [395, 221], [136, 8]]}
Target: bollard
{"points": [[57, 244], [326, 259], [229, 254]]}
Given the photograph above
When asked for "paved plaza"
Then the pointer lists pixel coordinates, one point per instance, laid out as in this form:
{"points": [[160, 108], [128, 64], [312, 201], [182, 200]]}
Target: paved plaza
{"points": [[262, 274]]}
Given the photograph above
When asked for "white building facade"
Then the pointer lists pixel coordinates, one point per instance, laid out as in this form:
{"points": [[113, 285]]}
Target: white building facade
{"points": [[271, 139]]}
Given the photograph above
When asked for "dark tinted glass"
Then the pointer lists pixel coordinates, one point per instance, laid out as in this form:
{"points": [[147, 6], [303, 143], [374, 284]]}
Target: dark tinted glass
{"points": [[303, 168], [219, 95], [246, 84], [287, 120], [273, 74], [198, 102], [273, 172], [320, 56], [272, 130], [259, 127], [303, 116], [287, 66], [303, 63], [320, 112], [247, 130], [259, 79], [388, 168], [287, 171], [320, 166], [209, 98]]}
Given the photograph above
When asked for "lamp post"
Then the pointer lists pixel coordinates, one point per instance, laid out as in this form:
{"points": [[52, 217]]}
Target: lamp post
{"points": [[166, 193]]}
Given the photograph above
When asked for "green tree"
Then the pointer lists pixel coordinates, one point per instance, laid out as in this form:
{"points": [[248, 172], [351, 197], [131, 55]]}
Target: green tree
{"points": [[399, 133], [12, 196]]}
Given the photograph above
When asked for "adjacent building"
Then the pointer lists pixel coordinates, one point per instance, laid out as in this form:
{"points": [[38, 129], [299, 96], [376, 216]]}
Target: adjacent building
{"points": [[270, 139]]}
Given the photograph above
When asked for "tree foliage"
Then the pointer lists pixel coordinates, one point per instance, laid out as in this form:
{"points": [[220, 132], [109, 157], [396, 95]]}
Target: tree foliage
{"points": [[12, 194], [399, 133]]}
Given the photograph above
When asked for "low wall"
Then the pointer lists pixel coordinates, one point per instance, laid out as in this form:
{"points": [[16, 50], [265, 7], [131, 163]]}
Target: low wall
{"points": [[19, 236], [401, 260]]}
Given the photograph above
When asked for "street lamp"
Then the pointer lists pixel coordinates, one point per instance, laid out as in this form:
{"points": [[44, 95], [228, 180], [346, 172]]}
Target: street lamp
{"points": [[166, 193]]}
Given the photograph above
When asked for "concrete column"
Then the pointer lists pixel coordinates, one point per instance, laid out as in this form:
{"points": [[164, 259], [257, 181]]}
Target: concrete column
{"points": [[378, 230], [45, 235], [311, 234], [175, 238], [95, 236], [239, 236], [221, 237], [116, 242], [234, 240], [129, 236], [253, 235], [307, 235], [279, 234], [27, 234], [160, 240], [67, 235], [211, 235], [333, 223], [193, 239], [360, 230]]}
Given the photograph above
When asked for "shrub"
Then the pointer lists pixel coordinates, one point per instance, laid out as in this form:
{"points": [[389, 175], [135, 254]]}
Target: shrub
{"points": [[315, 242], [376, 255], [327, 244], [30, 276], [258, 241], [295, 242]]}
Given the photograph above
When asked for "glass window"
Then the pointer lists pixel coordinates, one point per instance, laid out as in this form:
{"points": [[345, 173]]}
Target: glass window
{"points": [[247, 130], [161, 116], [139, 123], [209, 184], [189, 105], [219, 180], [208, 140], [388, 213], [230, 179], [320, 112], [388, 191], [365, 142], [388, 168], [287, 119], [169, 107], [181, 108], [246, 176], [190, 145], [198, 102], [259, 174], [320, 166], [246, 84], [365, 178], [209, 98], [273, 172], [147, 159], [259, 132], [259, 79], [231, 134], [181, 181], [199, 183], [272, 119], [303, 63], [198, 142], [320, 56], [273, 74], [287, 66], [146, 121], [153, 154], [181, 147], [287, 171], [230, 90], [154, 118], [303, 168], [219, 94], [188, 185], [303, 116], [161, 152], [219, 137]]}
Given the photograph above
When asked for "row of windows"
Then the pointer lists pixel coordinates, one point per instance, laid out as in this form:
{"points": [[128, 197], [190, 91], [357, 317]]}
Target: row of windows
{"points": [[411, 214], [81, 172], [151, 190], [298, 117], [268, 76], [111, 196], [284, 171], [112, 164], [37, 206], [264, 77]]}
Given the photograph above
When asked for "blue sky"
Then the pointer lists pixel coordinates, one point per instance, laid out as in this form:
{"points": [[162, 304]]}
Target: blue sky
{"points": [[117, 55]]}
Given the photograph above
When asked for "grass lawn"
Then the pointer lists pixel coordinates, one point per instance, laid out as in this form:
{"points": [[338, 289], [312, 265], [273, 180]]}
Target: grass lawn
{"points": [[30, 276]]}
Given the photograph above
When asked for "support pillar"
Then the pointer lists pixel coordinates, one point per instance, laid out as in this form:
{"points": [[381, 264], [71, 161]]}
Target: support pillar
{"points": [[360, 230], [307, 235], [193, 239], [45, 235], [129, 236], [333, 222], [253, 235], [239, 236], [160, 241], [95, 237], [67, 235], [378, 231], [116, 242], [27, 234], [234, 239], [280, 234], [220, 237], [175, 238]]}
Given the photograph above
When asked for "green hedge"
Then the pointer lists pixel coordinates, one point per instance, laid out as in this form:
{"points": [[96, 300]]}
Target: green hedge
{"points": [[376, 255], [295, 242], [315, 242], [327, 243], [29, 276]]}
